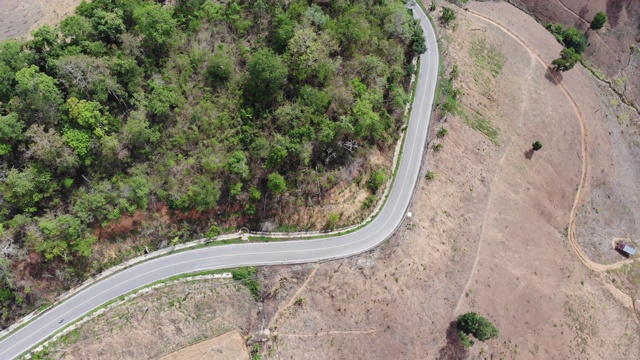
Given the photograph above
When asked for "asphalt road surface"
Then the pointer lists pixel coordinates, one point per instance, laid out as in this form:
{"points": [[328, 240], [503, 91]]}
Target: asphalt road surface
{"points": [[250, 254]]}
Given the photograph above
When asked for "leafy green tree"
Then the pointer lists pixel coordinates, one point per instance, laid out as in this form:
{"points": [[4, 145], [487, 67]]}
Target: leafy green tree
{"points": [[12, 59], [157, 27], [476, 325], [448, 15], [204, 193], [567, 60], [276, 156], [368, 122], [267, 76], [58, 233], [83, 246], [138, 132], [128, 74], [282, 31], [276, 183], [164, 97], [88, 114], [237, 164], [94, 204], [80, 142], [353, 30], [25, 189], [418, 41], [465, 340], [536, 146], [254, 194], [139, 191], [235, 189], [220, 68], [378, 178], [574, 38], [599, 20], [38, 96], [307, 52], [108, 26], [75, 29], [10, 132], [44, 44]]}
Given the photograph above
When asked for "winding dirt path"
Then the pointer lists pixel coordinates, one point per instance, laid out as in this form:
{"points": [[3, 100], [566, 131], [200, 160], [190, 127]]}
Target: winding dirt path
{"points": [[573, 12], [623, 296], [585, 160]]}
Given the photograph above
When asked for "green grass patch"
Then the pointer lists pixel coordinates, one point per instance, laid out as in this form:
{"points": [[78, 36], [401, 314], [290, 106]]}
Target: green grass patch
{"points": [[483, 126], [486, 56], [247, 276]]}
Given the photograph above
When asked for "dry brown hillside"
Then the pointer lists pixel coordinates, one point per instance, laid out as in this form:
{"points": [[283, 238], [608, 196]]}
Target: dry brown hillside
{"points": [[614, 50], [19, 17]]}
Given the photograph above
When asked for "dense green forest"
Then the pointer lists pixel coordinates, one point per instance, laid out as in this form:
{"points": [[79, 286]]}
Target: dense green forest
{"points": [[210, 108]]}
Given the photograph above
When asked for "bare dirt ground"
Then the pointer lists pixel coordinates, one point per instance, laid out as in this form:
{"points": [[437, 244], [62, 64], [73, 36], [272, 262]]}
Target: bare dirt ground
{"points": [[608, 211], [229, 346], [19, 17], [164, 321], [613, 51]]}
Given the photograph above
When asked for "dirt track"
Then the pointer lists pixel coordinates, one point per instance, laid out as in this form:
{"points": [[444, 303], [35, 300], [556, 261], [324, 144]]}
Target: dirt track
{"points": [[585, 159]]}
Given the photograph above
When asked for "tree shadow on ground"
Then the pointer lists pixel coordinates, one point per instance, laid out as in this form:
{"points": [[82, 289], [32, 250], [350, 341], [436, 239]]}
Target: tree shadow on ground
{"points": [[555, 77], [453, 349], [529, 154]]}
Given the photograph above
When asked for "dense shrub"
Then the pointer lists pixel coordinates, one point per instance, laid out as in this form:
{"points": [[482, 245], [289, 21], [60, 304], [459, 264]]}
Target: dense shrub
{"points": [[476, 325]]}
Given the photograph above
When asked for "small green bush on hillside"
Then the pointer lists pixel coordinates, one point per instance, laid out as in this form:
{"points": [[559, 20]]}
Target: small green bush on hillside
{"points": [[598, 21], [476, 325]]}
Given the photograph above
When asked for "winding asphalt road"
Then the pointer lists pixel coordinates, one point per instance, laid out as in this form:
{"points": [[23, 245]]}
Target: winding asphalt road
{"points": [[250, 254]]}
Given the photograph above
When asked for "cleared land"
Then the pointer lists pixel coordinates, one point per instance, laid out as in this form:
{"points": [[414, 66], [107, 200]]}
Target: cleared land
{"points": [[229, 346], [167, 320], [19, 17]]}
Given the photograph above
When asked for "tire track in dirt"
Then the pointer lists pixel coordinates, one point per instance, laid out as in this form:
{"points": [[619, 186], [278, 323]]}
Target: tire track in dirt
{"points": [[573, 12], [585, 160], [499, 166], [597, 267]]}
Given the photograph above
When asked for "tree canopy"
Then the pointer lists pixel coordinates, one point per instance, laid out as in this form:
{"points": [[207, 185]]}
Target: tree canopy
{"points": [[476, 325], [199, 107], [599, 20], [567, 60]]}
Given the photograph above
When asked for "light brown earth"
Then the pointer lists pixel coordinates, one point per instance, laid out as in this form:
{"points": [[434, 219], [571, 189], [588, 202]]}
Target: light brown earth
{"points": [[166, 320], [20, 17], [614, 50], [489, 234], [229, 346]]}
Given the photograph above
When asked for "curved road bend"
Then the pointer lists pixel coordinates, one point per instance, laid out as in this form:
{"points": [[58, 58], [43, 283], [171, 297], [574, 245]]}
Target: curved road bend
{"points": [[251, 254]]}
